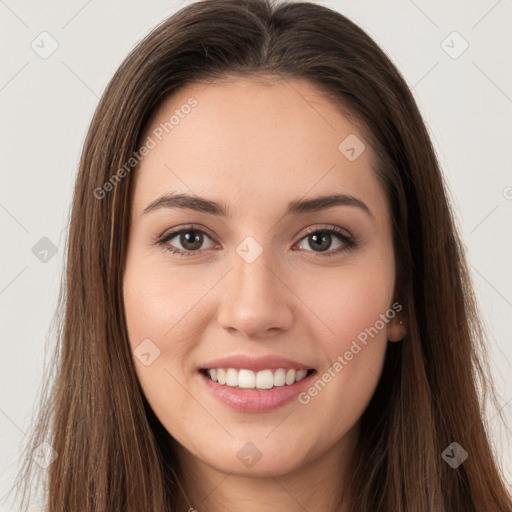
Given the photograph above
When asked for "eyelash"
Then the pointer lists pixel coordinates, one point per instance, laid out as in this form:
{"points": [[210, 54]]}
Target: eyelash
{"points": [[349, 242]]}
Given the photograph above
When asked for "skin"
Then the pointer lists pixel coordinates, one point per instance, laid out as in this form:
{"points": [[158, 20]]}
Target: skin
{"points": [[255, 147]]}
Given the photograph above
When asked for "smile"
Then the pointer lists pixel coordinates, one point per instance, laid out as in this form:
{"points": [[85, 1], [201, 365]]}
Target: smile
{"points": [[261, 380]]}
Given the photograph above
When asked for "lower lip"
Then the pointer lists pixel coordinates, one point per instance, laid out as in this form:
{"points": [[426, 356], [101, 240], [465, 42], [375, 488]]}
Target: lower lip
{"points": [[253, 400]]}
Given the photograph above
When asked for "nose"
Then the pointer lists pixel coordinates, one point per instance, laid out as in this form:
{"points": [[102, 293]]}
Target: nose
{"points": [[256, 301]]}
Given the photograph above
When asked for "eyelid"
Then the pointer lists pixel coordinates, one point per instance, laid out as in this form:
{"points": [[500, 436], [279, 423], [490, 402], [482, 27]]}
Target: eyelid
{"points": [[306, 231], [178, 230], [170, 234], [336, 230], [324, 227]]}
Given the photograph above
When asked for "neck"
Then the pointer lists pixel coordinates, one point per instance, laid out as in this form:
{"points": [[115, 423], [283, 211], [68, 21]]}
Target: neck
{"points": [[320, 484]]}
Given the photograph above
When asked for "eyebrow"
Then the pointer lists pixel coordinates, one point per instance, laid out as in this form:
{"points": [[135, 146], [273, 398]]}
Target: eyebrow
{"points": [[200, 204]]}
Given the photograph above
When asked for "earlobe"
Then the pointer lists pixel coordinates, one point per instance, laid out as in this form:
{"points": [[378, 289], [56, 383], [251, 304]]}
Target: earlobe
{"points": [[397, 330]]}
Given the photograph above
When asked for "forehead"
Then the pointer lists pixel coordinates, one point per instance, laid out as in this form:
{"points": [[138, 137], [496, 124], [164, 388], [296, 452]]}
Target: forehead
{"points": [[256, 141]]}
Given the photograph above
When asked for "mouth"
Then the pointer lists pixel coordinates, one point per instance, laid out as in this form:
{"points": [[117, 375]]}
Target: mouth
{"points": [[255, 384], [256, 391], [262, 380]]}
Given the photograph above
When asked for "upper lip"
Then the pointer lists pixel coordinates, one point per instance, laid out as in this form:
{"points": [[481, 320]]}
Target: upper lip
{"points": [[255, 364]]}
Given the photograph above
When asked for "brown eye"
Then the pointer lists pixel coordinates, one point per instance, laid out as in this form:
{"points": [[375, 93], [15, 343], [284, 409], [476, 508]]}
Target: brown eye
{"points": [[185, 241], [191, 240], [321, 240]]}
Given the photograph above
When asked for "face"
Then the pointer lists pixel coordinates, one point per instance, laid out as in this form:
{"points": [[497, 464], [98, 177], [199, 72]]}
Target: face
{"points": [[267, 279]]}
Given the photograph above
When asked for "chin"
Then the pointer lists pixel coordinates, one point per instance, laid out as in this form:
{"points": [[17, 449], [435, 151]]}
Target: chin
{"points": [[257, 458]]}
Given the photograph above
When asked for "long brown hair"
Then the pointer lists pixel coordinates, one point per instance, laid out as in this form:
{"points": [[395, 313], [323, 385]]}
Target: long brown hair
{"points": [[112, 452]]}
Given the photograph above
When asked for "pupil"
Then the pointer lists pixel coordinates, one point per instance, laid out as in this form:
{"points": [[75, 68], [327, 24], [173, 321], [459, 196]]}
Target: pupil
{"points": [[191, 242], [194, 241], [324, 241]]}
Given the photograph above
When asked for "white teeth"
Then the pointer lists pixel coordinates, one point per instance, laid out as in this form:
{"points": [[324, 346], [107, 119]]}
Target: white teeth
{"points": [[300, 375], [290, 377], [264, 379], [279, 377], [231, 377], [246, 379]]}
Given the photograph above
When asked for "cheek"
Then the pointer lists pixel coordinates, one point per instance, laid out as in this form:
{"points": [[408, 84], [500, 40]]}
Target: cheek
{"points": [[160, 305], [348, 302], [354, 305], [163, 321]]}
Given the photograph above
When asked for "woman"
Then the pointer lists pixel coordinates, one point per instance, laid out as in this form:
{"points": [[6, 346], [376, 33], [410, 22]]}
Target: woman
{"points": [[267, 303]]}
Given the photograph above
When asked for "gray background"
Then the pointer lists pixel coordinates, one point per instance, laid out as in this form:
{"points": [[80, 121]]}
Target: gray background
{"points": [[47, 104]]}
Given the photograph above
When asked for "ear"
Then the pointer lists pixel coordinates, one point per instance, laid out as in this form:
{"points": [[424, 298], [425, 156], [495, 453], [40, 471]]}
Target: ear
{"points": [[397, 330]]}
